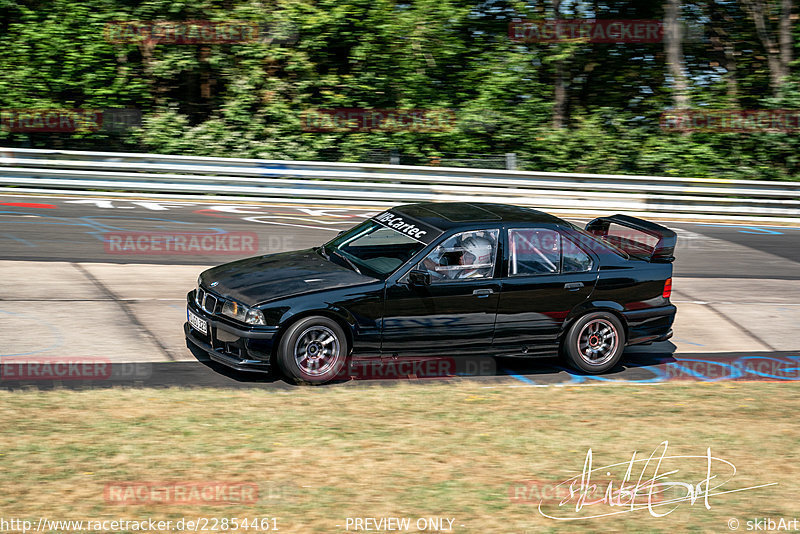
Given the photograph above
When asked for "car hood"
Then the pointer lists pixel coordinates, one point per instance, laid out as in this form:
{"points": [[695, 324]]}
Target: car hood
{"points": [[263, 278]]}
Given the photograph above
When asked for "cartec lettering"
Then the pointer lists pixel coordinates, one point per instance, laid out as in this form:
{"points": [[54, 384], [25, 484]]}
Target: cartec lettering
{"points": [[397, 223]]}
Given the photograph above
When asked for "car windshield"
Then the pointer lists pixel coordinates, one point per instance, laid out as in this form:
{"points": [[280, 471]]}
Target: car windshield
{"points": [[372, 248]]}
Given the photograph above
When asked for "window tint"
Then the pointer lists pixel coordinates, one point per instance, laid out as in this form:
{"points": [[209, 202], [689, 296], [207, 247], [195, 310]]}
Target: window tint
{"points": [[468, 255], [575, 260], [534, 251]]}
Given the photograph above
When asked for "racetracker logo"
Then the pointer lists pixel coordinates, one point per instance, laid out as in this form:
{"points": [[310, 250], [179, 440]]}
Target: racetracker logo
{"points": [[31, 368], [749, 368], [419, 367], [187, 32], [374, 120], [546, 492], [233, 243], [731, 121], [69, 120], [56, 369], [590, 31], [207, 492]]}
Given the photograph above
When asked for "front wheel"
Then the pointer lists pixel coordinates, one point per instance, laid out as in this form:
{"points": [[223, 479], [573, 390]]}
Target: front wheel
{"points": [[594, 343], [313, 350]]}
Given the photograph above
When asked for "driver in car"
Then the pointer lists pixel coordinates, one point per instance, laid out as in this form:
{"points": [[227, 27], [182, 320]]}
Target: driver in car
{"points": [[470, 258], [476, 259]]}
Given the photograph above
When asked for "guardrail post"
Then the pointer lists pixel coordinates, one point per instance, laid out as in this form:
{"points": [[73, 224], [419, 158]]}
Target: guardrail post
{"points": [[511, 161]]}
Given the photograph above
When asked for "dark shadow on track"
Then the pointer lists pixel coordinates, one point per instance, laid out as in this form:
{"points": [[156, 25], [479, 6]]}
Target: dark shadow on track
{"points": [[645, 367]]}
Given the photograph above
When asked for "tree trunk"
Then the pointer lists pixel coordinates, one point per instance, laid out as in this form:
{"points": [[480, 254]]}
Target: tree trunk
{"points": [[560, 86], [725, 49], [785, 35], [673, 36], [730, 66], [756, 8]]}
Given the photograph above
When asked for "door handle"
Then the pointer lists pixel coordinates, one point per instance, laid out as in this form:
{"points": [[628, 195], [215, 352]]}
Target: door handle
{"points": [[572, 286], [481, 293]]}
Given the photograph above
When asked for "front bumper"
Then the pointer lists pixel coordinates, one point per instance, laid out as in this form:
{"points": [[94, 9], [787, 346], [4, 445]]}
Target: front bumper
{"points": [[239, 348]]}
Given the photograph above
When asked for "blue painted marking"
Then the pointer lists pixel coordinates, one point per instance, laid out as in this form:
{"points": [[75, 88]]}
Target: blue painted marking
{"points": [[20, 240], [679, 340], [53, 329], [579, 379], [774, 376], [96, 228], [759, 230], [521, 378]]}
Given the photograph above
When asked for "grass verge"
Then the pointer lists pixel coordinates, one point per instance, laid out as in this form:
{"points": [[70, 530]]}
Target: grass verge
{"points": [[317, 456]]}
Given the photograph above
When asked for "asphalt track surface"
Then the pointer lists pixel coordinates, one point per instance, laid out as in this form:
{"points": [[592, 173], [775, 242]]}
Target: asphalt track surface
{"points": [[77, 230]]}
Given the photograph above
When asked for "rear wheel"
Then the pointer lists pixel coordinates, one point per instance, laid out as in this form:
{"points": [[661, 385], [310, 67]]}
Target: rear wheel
{"points": [[594, 343], [313, 350]]}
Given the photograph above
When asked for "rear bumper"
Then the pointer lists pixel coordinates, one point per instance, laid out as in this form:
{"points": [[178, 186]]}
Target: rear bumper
{"points": [[238, 348], [650, 325]]}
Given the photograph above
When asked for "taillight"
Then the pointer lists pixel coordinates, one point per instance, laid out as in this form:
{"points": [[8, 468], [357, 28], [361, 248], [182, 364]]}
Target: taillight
{"points": [[667, 288]]}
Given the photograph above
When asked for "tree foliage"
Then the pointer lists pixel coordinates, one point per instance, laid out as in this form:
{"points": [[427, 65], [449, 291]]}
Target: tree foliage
{"points": [[248, 99]]}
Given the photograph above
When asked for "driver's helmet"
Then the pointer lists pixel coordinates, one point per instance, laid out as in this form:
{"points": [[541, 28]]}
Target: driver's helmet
{"points": [[477, 251]]}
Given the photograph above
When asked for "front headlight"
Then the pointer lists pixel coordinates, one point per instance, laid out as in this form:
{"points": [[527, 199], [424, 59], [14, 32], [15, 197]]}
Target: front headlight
{"points": [[197, 294], [242, 313]]}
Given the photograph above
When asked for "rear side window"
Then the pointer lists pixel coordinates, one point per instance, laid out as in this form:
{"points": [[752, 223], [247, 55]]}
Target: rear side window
{"points": [[534, 251], [574, 260]]}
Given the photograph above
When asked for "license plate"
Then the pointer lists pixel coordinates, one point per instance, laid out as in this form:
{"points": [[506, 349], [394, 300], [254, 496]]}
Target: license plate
{"points": [[197, 323]]}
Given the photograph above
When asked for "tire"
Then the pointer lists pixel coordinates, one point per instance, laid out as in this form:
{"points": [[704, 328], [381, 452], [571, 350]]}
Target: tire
{"points": [[594, 343], [313, 350]]}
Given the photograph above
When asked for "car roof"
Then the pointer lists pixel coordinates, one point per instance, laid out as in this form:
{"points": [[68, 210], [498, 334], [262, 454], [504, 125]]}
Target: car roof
{"points": [[449, 215]]}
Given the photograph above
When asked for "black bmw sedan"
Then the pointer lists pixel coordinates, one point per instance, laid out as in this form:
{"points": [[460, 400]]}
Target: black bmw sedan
{"points": [[442, 279]]}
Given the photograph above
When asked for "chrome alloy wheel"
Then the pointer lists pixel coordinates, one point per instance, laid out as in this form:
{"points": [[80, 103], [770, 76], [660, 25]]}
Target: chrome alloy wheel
{"points": [[316, 350], [597, 341]]}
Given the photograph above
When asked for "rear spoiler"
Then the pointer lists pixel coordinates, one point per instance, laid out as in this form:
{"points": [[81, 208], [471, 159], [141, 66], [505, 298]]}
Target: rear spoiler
{"points": [[660, 252]]}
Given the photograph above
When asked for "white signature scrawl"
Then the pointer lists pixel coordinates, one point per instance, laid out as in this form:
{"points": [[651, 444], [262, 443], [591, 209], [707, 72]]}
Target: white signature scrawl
{"points": [[653, 483]]}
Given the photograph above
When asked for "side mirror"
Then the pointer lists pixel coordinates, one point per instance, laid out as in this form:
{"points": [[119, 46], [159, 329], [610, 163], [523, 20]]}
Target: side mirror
{"points": [[419, 277]]}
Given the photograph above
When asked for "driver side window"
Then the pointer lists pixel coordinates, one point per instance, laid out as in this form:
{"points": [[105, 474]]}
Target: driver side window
{"points": [[467, 255]]}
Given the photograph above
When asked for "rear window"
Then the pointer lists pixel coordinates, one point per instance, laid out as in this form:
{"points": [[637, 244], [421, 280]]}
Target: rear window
{"points": [[595, 243]]}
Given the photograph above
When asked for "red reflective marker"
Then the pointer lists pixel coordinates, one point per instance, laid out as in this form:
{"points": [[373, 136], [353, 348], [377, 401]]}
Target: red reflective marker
{"points": [[28, 205]]}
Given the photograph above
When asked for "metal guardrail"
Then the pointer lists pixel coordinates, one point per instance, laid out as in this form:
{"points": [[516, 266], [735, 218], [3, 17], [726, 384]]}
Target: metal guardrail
{"points": [[35, 169]]}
